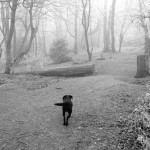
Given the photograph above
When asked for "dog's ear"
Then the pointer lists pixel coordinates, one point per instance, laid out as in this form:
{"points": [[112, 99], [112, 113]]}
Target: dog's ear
{"points": [[64, 97], [70, 96]]}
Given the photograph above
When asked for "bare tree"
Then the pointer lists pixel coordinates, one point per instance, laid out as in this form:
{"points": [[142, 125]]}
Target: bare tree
{"points": [[106, 29], [76, 29], [124, 28], [8, 31], [14, 43], [145, 23], [86, 4], [4, 28], [38, 5], [72, 26], [105, 26], [121, 36], [112, 26], [9, 37], [44, 40], [125, 22]]}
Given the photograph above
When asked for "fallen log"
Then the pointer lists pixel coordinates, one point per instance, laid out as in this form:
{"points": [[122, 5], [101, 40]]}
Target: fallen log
{"points": [[73, 70]]}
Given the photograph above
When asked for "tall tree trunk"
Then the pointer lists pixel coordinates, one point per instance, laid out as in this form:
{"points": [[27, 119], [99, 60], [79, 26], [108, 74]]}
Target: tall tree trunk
{"points": [[39, 41], [36, 46], [3, 17], [123, 25], [14, 44], [33, 33], [86, 22], [106, 30], [6, 24], [105, 25], [44, 41], [27, 29], [21, 49], [121, 36], [120, 41], [33, 48], [112, 26], [9, 37], [146, 31], [76, 30], [108, 40], [87, 46], [147, 40]]}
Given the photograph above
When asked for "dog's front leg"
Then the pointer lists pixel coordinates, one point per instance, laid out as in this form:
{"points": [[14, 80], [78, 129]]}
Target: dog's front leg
{"points": [[64, 118]]}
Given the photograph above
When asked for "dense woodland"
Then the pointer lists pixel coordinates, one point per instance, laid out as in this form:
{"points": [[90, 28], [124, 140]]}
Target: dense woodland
{"points": [[28, 28]]}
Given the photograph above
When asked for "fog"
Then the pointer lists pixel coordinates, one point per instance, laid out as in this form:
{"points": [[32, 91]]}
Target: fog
{"points": [[85, 26], [88, 57]]}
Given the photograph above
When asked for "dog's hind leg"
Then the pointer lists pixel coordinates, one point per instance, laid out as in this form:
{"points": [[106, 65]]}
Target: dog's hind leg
{"points": [[69, 115]]}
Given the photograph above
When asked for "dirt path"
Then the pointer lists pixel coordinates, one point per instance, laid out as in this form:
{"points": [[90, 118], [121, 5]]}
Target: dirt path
{"points": [[30, 121]]}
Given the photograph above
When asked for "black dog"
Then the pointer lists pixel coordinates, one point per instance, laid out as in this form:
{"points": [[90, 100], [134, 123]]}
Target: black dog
{"points": [[66, 107]]}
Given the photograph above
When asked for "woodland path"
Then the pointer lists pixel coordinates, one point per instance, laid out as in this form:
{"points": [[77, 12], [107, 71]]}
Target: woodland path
{"points": [[30, 121]]}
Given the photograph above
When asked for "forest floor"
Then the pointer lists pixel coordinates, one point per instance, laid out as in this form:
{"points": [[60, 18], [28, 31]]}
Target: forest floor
{"points": [[30, 121]]}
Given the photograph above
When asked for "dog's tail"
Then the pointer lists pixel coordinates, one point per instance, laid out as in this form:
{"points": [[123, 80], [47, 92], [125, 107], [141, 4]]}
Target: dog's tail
{"points": [[59, 104]]}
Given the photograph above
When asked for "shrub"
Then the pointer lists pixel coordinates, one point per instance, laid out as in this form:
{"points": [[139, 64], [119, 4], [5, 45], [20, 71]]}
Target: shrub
{"points": [[134, 131], [59, 52]]}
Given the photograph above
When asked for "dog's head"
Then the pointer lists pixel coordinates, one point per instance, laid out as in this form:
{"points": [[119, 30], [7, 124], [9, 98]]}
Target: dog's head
{"points": [[67, 97]]}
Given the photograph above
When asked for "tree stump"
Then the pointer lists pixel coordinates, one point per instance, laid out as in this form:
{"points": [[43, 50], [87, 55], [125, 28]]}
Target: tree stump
{"points": [[142, 66]]}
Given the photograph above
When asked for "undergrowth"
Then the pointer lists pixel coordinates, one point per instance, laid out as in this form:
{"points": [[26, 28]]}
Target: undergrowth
{"points": [[59, 52], [134, 131]]}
